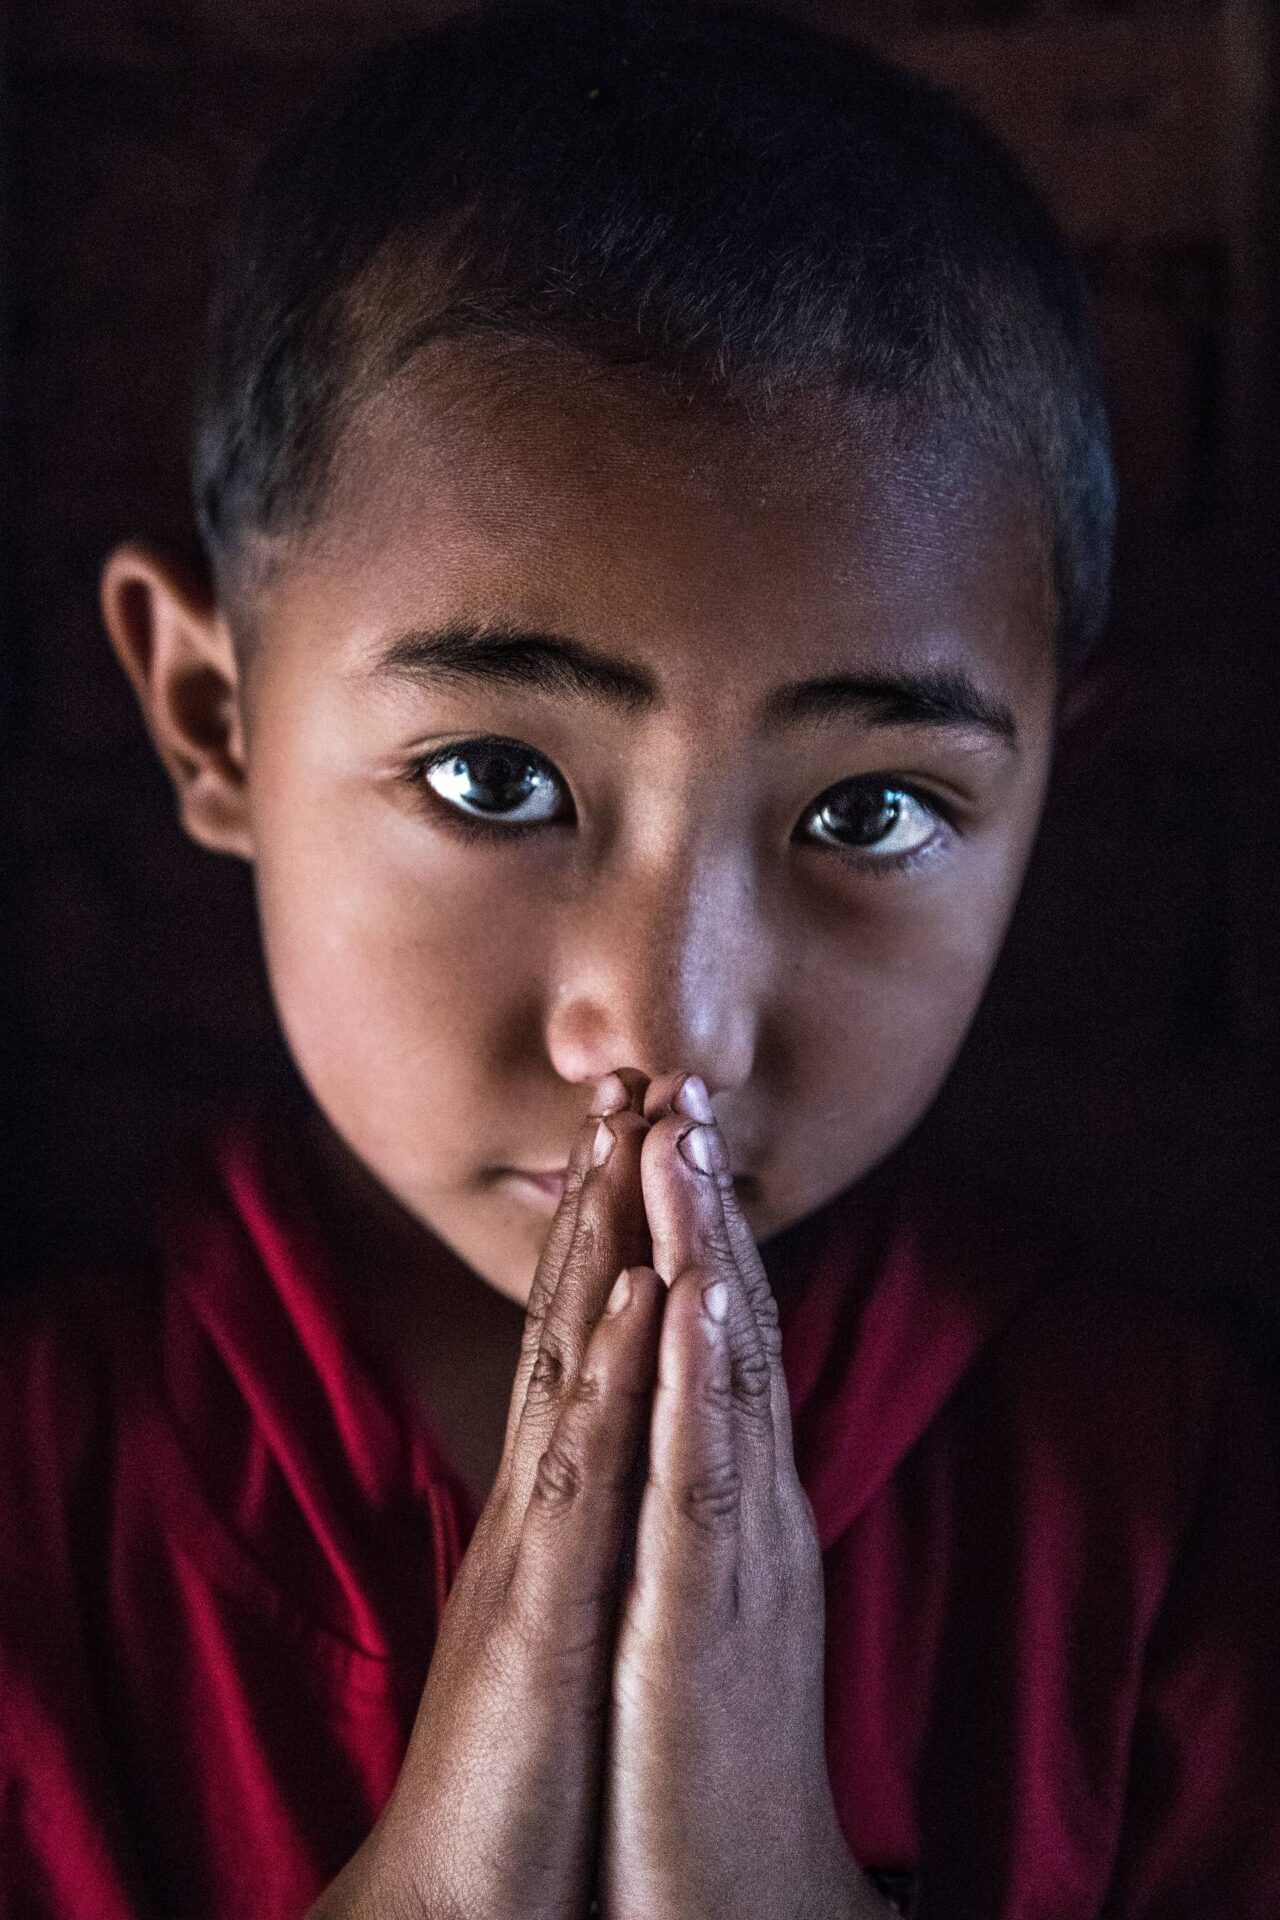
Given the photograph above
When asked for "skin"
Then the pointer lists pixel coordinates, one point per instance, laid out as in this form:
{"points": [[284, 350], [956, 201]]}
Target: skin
{"points": [[679, 918]]}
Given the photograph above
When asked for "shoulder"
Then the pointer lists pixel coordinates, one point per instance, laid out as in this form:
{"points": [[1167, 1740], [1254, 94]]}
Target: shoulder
{"points": [[73, 1348], [1124, 1388], [61, 1340], [1009, 1352]]}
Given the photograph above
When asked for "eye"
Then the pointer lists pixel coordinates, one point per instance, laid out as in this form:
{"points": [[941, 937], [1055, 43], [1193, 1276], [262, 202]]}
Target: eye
{"points": [[494, 780], [884, 822]]}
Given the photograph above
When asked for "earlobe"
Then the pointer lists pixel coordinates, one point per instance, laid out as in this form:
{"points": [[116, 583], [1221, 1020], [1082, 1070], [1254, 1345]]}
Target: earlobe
{"points": [[174, 644]]}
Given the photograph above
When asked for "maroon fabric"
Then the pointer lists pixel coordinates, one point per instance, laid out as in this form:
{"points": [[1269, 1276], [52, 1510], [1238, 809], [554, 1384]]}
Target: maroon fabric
{"points": [[1049, 1519]]}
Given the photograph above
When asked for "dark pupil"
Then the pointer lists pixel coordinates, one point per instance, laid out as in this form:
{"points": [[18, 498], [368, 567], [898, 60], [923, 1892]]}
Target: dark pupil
{"points": [[500, 778], [864, 814]]}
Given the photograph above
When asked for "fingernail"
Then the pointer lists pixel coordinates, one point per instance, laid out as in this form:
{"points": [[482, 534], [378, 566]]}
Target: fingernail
{"points": [[715, 1299], [610, 1096], [693, 1099], [695, 1149], [621, 1293], [602, 1145]]}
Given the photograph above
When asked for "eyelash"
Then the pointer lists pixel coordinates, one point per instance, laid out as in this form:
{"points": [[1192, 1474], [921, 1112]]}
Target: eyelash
{"points": [[470, 828], [467, 825], [886, 866]]}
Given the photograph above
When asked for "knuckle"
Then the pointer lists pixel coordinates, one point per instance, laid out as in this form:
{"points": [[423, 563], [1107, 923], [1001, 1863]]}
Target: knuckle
{"points": [[711, 1501], [550, 1368], [715, 1238], [558, 1481], [753, 1382], [589, 1387], [593, 1208], [535, 1313], [714, 1395], [765, 1305]]}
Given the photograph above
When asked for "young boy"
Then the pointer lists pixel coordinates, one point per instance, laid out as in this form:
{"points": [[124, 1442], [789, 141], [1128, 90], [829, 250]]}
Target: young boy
{"points": [[657, 501]]}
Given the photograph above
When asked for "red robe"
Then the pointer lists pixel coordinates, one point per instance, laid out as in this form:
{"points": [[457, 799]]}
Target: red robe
{"points": [[1050, 1521]]}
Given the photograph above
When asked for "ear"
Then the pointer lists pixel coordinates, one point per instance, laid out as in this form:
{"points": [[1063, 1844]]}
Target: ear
{"points": [[175, 645]]}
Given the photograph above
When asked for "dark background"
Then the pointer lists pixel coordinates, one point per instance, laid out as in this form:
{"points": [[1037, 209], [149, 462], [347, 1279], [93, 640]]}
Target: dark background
{"points": [[1124, 1074]]}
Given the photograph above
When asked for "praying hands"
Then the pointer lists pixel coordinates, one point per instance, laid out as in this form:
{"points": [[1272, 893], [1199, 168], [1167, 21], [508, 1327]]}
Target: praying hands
{"points": [[625, 1706]]}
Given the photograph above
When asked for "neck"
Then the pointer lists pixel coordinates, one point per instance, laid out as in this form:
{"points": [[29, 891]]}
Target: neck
{"points": [[447, 1337]]}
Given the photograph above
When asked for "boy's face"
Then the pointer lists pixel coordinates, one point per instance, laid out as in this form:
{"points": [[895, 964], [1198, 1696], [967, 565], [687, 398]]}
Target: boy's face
{"points": [[706, 743]]}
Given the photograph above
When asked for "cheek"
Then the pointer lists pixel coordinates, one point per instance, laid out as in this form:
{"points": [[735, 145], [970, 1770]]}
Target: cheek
{"points": [[394, 982], [880, 1004]]}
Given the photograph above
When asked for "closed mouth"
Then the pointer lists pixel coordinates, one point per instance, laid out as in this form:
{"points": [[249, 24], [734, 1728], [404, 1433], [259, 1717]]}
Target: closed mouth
{"points": [[548, 1183]]}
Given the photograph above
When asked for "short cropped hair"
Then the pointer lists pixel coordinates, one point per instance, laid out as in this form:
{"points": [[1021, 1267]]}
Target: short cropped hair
{"points": [[736, 202]]}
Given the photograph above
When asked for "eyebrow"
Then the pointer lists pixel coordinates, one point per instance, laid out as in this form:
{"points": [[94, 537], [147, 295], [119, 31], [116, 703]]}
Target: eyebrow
{"points": [[518, 657], [940, 697], [552, 663]]}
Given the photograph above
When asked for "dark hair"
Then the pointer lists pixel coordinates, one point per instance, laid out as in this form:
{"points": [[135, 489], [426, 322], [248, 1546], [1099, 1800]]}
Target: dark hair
{"points": [[736, 202]]}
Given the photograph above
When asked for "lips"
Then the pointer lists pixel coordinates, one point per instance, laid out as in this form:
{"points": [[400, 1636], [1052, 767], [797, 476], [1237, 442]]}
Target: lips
{"points": [[542, 1188], [549, 1182], [546, 1188]]}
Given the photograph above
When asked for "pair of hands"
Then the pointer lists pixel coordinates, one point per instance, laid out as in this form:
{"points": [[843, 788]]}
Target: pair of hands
{"points": [[625, 1702]]}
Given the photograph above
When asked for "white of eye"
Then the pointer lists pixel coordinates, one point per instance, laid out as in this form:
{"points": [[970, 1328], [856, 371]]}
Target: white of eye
{"points": [[472, 781], [907, 824]]}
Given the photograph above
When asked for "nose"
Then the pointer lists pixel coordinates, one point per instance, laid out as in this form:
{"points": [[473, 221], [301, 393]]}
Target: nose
{"points": [[658, 967]]}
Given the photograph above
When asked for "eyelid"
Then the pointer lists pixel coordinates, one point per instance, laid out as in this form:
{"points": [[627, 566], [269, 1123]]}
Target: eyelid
{"points": [[457, 819], [495, 829], [866, 860], [948, 807]]}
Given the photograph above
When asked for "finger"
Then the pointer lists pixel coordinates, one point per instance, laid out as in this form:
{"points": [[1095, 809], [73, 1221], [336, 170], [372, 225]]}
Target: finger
{"points": [[676, 1092], [611, 1096], [690, 1097], [610, 1233], [566, 1569], [636, 1084], [619, 1092], [688, 1533], [686, 1093], [764, 1308], [683, 1167]]}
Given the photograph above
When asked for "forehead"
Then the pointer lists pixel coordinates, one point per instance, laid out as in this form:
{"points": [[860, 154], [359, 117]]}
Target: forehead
{"points": [[702, 538]]}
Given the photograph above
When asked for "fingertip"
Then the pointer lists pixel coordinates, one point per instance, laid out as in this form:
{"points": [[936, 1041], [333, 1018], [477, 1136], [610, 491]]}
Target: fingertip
{"points": [[696, 1314], [680, 1093], [683, 1167], [646, 1283], [595, 1140], [665, 1130], [688, 1536], [632, 1316], [693, 1100], [622, 1091], [661, 1093], [636, 1084]]}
